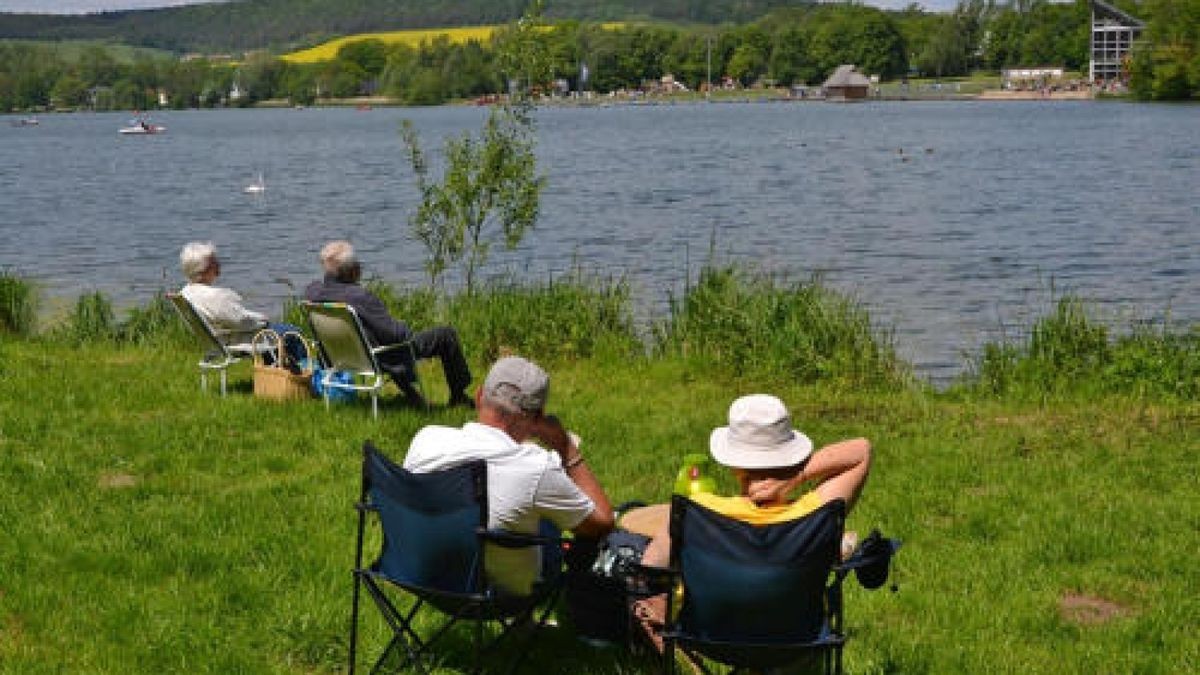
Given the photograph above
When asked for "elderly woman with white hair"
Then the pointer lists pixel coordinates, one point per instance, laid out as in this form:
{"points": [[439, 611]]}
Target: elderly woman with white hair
{"points": [[222, 307], [340, 284]]}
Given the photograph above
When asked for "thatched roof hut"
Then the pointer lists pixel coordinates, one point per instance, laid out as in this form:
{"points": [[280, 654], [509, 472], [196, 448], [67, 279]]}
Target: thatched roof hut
{"points": [[845, 84]]}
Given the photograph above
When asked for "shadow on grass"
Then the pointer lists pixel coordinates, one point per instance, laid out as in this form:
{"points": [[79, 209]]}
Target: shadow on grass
{"points": [[552, 649]]}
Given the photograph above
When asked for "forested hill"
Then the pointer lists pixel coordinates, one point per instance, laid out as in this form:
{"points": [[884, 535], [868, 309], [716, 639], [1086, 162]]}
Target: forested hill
{"points": [[251, 24]]}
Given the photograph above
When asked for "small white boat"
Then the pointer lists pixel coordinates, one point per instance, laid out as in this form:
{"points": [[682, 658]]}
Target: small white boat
{"points": [[142, 127], [25, 122], [257, 187]]}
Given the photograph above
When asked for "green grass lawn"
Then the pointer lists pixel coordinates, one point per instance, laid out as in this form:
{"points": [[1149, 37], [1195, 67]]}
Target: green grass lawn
{"points": [[151, 527]]}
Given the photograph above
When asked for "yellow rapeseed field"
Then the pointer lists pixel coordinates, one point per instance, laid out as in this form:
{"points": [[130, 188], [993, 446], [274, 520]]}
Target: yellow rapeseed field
{"points": [[328, 50]]}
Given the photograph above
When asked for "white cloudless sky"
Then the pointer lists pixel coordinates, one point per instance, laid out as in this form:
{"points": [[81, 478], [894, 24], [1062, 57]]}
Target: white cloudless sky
{"points": [[85, 6]]}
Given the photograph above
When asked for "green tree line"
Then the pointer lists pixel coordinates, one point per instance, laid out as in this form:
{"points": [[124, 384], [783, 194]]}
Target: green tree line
{"points": [[255, 24], [1167, 64], [790, 46]]}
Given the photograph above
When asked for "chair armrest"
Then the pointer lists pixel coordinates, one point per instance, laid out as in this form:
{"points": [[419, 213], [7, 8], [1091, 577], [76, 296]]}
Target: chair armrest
{"points": [[387, 348]]}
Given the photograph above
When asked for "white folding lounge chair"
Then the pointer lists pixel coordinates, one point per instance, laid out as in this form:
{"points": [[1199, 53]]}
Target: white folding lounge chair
{"points": [[344, 347], [217, 354]]}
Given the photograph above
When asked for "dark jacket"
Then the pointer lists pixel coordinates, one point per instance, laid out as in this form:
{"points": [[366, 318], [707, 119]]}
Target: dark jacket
{"points": [[381, 328]]}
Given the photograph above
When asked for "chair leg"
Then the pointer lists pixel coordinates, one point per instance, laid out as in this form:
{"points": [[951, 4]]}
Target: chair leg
{"points": [[403, 636], [222, 382], [392, 645], [354, 621], [374, 404], [203, 381]]}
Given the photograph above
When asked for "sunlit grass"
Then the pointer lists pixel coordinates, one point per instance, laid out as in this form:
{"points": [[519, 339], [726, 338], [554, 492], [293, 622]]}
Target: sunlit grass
{"points": [[153, 527]]}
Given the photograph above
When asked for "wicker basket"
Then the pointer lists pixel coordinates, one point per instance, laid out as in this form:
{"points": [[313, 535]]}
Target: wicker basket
{"points": [[275, 382]]}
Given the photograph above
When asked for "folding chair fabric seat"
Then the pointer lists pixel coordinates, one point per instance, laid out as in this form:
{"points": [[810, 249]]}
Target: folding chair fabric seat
{"points": [[434, 529], [344, 346], [218, 355], [756, 596]]}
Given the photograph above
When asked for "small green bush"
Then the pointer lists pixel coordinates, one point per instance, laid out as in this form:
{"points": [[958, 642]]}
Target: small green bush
{"points": [[1069, 352], [806, 332], [91, 320], [18, 305], [1156, 362], [419, 308], [569, 318], [155, 323]]}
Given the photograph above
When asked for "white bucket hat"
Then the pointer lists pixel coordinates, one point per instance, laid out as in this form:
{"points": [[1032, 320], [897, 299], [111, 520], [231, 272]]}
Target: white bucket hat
{"points": [[759, 436]]}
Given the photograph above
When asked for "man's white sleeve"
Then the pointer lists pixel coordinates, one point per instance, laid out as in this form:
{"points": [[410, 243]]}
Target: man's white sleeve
{"points": [[560, 501]]}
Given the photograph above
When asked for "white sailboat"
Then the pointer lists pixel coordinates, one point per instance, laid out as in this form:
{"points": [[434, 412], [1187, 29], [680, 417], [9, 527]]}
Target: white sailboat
{"points": [[141, 126], [257, 187]]}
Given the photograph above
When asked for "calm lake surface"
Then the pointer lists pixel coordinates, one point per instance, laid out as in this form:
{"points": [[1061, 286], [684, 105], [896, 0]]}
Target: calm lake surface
{"points": [[953, 222]]}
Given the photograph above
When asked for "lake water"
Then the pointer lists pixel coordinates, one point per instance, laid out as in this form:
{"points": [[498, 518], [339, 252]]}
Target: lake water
{"points": [[949, 220]]}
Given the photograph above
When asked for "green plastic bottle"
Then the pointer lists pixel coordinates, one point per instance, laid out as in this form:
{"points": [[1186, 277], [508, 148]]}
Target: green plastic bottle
{"points": [[694, 476]]}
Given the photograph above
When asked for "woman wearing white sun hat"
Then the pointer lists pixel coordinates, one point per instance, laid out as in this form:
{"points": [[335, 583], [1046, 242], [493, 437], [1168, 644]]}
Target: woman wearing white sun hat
{"points": [[770, 459]]}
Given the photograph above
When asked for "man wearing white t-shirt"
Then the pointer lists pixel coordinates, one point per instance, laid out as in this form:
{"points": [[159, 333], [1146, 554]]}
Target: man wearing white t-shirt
{"points": [[527, 483]]}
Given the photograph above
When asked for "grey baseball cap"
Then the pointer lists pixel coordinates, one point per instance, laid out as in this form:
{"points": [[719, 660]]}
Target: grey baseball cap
{"points": [[518, 384]]}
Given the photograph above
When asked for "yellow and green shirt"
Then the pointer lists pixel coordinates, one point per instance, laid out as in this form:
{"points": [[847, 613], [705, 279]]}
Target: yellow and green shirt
{"points": [[741, 508]]}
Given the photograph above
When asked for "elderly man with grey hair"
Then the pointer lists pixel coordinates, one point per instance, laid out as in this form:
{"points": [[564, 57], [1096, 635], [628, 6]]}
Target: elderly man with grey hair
{"points": [[341, 284], [528, 484], [222, 307]]}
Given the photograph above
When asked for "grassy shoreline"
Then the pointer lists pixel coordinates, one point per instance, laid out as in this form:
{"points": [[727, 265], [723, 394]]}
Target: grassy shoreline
{"points": [[151, 527], [1049, 525]]}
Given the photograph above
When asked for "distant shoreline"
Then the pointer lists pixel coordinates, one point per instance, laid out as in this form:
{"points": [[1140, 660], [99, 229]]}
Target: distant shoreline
{"points": [[366, 103]]}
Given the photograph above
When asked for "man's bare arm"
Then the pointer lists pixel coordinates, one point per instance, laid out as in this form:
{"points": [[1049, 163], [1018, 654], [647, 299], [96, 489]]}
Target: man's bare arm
{"points": [[601, 520]]}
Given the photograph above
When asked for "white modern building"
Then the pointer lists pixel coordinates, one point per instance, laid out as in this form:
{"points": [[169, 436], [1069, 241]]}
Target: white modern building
{"points": [[1113, 35]]}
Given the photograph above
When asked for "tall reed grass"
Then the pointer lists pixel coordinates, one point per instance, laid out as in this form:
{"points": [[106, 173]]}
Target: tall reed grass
{"points": [[733, 320], [739, 320], [1069, 352], [156, 322], [91, 320], [18, 305], [576, 316]]}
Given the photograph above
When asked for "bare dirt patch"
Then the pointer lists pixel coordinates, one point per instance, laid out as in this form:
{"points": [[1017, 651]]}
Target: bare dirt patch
{"points": [[117, 480], [1090, 610]]}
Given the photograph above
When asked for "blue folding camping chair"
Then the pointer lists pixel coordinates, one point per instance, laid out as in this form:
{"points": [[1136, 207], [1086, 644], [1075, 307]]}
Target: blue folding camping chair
{"points": [[761, 597], [435, 537]]}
